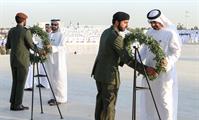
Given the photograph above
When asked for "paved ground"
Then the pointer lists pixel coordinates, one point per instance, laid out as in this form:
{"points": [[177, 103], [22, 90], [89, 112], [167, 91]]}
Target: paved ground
{"points": [[82, 90]]}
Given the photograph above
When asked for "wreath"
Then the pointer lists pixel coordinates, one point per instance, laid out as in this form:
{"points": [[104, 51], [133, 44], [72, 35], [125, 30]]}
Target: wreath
{"points": [[46, 46], [138, 35]]}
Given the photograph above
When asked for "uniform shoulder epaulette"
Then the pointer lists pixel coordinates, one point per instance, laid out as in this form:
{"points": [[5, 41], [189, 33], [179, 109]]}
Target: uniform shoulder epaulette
{"points": [[26, 29], [115, 32]]}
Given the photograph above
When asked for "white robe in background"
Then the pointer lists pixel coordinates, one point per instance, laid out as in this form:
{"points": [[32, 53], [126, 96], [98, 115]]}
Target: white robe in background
{"points": [[43, 80], [29, 78], [165, 87], [57, 67]]}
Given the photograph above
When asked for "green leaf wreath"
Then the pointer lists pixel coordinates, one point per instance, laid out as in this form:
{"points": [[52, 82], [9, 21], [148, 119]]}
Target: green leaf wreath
{"points": [[36, 30], [139, 36]]}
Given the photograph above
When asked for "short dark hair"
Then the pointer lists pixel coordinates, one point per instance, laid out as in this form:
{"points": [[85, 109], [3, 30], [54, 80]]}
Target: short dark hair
{"points": [[119, 16], [18, 19]]}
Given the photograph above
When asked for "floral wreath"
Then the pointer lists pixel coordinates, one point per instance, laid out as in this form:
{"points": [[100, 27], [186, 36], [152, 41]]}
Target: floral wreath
{"points": [[138, 35], [47, 48]]}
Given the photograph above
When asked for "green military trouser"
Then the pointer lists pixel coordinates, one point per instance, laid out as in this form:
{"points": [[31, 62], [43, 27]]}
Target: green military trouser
{"points": [[106, 101], [19, 75]]}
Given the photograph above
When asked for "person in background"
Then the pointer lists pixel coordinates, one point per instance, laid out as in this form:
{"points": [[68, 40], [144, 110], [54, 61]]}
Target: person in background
{"points": [[48, 28], [43, 80], [2, 46]]}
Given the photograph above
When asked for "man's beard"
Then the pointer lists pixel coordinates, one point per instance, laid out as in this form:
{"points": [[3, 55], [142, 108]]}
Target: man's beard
{"points": [[120, 28], [55, 29], [24, 23], [156, 28]]}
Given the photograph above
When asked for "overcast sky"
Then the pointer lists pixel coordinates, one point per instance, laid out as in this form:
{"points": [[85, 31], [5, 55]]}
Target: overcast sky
{"points": [[98, 12]]}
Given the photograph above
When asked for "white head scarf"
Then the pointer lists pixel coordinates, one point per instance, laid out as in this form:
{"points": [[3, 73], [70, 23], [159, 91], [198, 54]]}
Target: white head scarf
{"points": [[59, 22], [56, 20], [158, 16]]}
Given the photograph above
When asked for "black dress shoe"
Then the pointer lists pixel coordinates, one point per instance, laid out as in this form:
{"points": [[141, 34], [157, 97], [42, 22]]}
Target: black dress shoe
{"points": [[51, 100], [11, 106], [52, 103], [28, 89], [19, 108], [40, 85]]}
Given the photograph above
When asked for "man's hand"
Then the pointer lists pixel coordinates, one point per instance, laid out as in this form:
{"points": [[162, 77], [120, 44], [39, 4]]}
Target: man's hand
{"points": [[42, 52], [151, 72], [47, 46], [7, 51], [164, 63]]}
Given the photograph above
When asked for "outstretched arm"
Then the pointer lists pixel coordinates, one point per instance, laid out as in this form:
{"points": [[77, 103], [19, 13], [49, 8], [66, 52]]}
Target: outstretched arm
{"points": [[118, 46]]}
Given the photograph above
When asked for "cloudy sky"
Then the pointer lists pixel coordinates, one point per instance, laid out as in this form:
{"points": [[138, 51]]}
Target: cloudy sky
{"points": [[98, 12]]}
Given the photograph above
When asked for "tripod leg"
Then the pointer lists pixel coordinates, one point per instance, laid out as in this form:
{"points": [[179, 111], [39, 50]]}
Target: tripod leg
{"points": [[147, 80], [33, 81], [39, 88], [153, 98], [134, 91], [52, 90]]}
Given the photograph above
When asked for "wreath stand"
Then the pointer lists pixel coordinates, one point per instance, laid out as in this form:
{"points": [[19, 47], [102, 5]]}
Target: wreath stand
{"points": [[38, 75], [135, 87]]}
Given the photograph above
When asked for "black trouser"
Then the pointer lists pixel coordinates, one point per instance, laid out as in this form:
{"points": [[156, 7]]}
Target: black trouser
{"points": [[106, 101], [19, 75]]}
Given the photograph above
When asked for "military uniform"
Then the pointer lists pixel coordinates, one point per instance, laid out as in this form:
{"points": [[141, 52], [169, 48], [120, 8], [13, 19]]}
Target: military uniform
{"points": [[19, 41], [111, 54]]}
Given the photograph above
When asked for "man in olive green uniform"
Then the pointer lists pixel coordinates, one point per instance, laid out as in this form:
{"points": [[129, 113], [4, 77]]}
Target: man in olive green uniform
{"points": [[111, 54], [19, 41]]}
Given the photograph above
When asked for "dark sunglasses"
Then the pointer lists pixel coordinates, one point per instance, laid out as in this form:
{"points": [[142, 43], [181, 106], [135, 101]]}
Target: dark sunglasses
{"points": [[54, 24]]}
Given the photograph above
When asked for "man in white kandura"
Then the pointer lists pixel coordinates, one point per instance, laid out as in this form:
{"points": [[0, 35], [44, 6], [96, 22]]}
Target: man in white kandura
{"points": [[43, 80], [56, 65], [165, 86]]}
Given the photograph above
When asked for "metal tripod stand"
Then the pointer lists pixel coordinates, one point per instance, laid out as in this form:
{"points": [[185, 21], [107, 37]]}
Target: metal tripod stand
{"points": [[135, 87], [38, 75]]}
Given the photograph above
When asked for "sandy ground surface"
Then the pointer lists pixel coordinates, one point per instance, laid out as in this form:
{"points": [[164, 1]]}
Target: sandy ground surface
{"points": [[82, 90]]}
